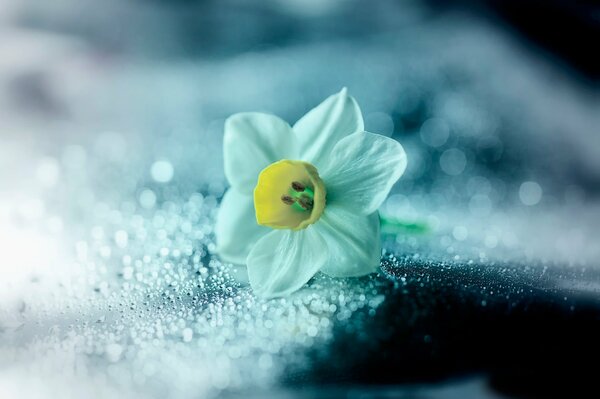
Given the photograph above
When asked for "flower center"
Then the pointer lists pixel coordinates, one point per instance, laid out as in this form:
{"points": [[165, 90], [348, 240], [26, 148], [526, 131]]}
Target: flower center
{"points": [[289, 195]]}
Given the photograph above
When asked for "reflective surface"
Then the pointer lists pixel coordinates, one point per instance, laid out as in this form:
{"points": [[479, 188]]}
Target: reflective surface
{"points": [[111, 121]]}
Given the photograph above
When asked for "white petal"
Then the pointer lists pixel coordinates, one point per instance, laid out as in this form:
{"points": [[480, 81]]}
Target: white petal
{"points": [[362, 169], [253, 141], [283, 261], [236, 229], [321, 128], [353, 241]]}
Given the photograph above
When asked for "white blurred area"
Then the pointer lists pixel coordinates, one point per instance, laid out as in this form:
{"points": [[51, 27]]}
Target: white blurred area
{"points": [[80, 96], [84, 85], [34, 251], [109, 107]]}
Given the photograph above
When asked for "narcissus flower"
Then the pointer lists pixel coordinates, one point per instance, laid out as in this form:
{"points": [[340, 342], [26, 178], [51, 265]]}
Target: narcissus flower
{"points": [[304, 199]]}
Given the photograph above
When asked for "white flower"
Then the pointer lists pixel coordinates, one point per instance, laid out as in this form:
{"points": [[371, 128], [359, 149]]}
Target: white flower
{"points": [[304, 199]]}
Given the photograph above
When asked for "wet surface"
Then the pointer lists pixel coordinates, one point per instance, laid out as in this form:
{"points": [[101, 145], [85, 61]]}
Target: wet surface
{"points": [[111, 175], [439, 321]]}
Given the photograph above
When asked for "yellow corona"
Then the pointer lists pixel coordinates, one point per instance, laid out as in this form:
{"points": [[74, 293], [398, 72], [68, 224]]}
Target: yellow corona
{"points": [[289, 195]]}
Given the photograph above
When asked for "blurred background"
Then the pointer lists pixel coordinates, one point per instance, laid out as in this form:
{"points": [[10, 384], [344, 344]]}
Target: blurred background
{"points": [[111, 125]]}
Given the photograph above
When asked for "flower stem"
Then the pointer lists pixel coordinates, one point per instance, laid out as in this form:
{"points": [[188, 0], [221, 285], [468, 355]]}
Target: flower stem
{"points": [[397, 226]]}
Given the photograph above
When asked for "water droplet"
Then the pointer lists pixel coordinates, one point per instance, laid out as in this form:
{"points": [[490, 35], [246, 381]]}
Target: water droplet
{"points": [[453, 161], [147, 199], [121, 238], [113, 352], [435, 132], [162, 171], [460, 233], [187, 334], [530, 193]]}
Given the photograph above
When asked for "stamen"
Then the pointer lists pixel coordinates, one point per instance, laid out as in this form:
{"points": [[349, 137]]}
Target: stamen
{"points": [[306, 202], [286, 199], [289, 194], [298, 187]]}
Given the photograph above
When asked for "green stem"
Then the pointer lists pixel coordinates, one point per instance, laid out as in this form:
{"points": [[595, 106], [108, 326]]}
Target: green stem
{"points": [[397, 226]]}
